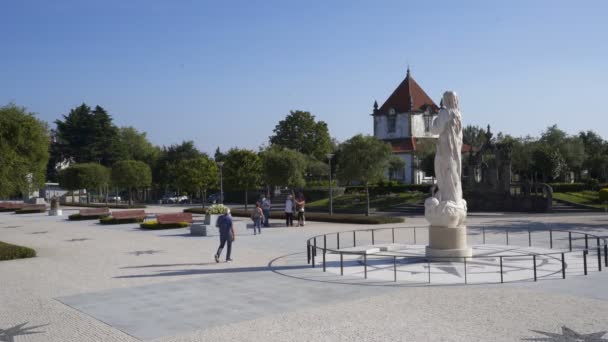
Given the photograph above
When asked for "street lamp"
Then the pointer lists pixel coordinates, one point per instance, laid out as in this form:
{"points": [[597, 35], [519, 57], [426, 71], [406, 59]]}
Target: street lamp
{"points": [[331, 200], [221, 165]]}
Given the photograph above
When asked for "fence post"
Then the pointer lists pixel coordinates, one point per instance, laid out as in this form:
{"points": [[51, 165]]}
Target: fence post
{"points": [[365, 264], [308, 252], [338, 241], [551, 238], [429, 265], [465, 270], [507, 234], [393, 235], [529, 238], [586, 241], [605, 254], [354, 238], [324, 259], [324, 242], [563, 267], [585, 261], [483, 231], [395, 268], [341, 264], [314, 252], [570, 241], [501, 278], [534, 261], [599, 258], [414, 235], [373, 239]]}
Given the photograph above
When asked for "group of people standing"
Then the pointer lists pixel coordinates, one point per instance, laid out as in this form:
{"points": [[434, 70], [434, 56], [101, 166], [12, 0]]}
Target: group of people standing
{"points": [[260, 216]]}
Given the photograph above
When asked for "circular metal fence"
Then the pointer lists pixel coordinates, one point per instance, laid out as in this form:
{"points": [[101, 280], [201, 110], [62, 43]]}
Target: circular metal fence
{"points": [[396, 247]]}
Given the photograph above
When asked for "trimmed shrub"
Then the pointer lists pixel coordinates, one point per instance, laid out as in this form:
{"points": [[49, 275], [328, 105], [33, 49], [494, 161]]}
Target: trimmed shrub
{"points": [[155, 225], [568, 187], [78, 217], [318, 217], [113, 220], [103, 205], [30, 211], [389, 187], [6, 210], [9, 252], [603, 195]]}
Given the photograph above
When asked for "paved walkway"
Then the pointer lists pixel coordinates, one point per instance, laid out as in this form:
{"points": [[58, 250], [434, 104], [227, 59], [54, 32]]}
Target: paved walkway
{"points": [[117, 283]]}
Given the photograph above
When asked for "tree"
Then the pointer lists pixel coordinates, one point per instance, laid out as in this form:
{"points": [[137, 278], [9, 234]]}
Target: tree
{"points": [[136, 145], [282, 166], [131, 175], [548, 162], [24, 151], [197, 175], [363, 159], [300, 132], [165, 172], [395, 164], [87, 135], [475, 136], [242, 170], [84, 176]]}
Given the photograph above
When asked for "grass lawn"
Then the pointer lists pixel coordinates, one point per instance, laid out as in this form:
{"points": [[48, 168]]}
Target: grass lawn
{"points": [[357, 201], [9, 252], [589, 198]]}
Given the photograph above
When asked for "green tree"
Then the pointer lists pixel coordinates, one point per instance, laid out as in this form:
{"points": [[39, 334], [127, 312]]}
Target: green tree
{"points": [[24, 151], [242, 170], [364, 159], [197, 175], [87, 135], [300, 132], [136, 145], [475, 136], [165, 172], [548, 162], [86, 176], [131, 175], [283, 167], [596, 155]]}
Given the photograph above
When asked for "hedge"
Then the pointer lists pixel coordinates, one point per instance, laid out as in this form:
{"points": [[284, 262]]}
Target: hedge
{"points": [[384, 189], [319, 217], [103, 205], [78, 217], [152, 225], [113, 220], [603, 195], [568, 187], [9, 252], [29, 211], [6, 210]]}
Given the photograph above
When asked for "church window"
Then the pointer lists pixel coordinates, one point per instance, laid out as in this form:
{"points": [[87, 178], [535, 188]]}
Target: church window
{"points": [[392, 121], [428, 120]]}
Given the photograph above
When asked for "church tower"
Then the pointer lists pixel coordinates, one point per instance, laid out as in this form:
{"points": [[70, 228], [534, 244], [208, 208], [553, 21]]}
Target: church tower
{"points": [[403, 118]]}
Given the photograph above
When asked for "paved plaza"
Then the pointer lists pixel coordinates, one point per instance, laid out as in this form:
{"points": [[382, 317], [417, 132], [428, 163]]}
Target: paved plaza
{"points": [[117, 283]]}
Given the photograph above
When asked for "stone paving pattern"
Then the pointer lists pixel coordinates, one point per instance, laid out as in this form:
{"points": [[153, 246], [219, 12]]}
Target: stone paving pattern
{"points": [[117, 283]]}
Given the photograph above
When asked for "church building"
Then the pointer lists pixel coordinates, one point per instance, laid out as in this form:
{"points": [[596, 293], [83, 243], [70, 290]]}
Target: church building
{"points": [[404, 120]]}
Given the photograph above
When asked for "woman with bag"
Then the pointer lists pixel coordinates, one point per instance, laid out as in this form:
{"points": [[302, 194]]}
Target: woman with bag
{"points": [[257, 216]]}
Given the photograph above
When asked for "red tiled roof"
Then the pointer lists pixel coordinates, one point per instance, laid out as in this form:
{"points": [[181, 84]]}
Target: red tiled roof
{"points": [[403, 145], [408, 91]]}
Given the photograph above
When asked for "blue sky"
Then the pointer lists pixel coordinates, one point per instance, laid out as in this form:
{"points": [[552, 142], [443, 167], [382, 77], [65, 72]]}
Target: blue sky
{"points": [[223, 73]]}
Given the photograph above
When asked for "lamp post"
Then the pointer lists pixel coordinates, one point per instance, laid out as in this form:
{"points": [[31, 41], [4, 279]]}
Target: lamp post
{"points": [[221, 165], [331, 200]]}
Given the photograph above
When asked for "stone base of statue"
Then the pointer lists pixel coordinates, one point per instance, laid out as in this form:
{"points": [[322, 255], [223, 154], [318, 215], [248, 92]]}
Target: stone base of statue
{"points": [[448, 230], [55, 212]]}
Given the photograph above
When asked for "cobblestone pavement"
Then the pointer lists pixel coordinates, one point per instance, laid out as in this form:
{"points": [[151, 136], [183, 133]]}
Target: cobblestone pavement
{"points": [[117, 283]]}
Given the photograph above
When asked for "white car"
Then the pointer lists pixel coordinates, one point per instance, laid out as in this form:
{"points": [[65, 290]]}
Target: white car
{"points": [[114, 198]]}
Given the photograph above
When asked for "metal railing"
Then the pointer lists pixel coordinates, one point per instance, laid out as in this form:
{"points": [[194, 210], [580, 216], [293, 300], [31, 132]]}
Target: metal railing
{"points": [[340, 242]]}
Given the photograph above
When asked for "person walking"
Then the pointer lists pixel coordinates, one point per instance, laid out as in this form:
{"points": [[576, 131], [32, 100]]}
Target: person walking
{"points": [[266, 210], [289, 211], [300, 203], [224, 223], [257, 216]]}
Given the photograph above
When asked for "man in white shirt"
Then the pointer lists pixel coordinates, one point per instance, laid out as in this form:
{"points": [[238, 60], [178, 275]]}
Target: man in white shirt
{"points": [[289, 211], [266, 209]]}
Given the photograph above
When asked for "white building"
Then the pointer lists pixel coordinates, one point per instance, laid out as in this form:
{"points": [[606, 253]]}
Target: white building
{"points": [[404, 119]]}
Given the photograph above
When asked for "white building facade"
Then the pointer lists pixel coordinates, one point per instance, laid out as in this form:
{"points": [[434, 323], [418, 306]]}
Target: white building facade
{"points": [[404, 119]]}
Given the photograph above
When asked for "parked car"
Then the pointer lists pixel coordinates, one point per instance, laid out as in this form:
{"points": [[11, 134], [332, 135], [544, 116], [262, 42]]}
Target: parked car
{"points": [[214, 198], [173, 199], [114, 198]]}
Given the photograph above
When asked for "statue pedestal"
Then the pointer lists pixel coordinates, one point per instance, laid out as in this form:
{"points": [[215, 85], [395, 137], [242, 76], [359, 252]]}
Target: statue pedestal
{"points": [[448, 244], [55, 212]]}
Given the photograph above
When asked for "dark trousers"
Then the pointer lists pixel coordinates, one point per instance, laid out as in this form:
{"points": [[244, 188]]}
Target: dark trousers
{"points": [[289, 219], [225, 238]]}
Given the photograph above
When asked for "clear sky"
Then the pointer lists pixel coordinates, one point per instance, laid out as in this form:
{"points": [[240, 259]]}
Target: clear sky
{"points": [[223, 73]]}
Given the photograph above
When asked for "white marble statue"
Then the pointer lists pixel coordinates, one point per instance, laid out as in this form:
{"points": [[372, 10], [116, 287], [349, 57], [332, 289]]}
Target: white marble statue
{"points": [[447, 208]]}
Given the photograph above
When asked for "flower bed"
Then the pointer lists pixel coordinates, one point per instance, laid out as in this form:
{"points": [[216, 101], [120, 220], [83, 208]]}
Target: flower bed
{"points": [[152, 225], [114, 220], [9, 252]]}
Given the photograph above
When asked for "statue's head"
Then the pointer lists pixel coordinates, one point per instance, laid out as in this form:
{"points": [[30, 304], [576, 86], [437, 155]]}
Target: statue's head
{"points": [[450, 100]]}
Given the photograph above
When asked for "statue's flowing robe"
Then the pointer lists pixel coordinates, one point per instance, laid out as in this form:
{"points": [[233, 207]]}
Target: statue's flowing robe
{"points": [[448, 165]]}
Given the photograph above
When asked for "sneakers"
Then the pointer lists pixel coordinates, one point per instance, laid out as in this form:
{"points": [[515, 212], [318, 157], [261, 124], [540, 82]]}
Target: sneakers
{"points": [[229, 260], [217, 258]]}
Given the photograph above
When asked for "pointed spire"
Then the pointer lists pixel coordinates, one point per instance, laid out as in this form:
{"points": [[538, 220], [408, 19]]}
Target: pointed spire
{"points": [[375, 104], [408, 71]]}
